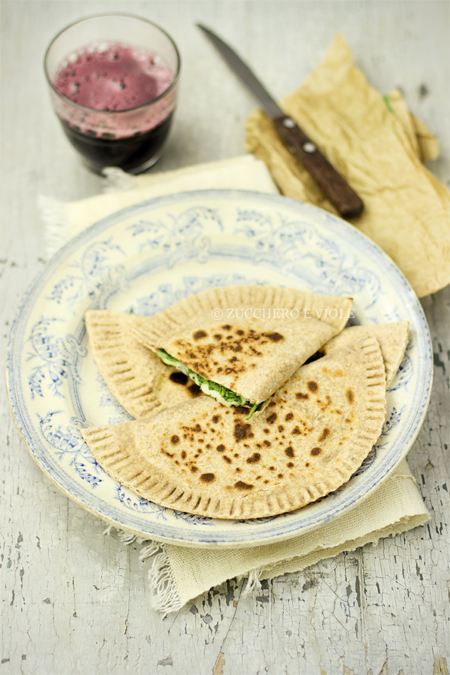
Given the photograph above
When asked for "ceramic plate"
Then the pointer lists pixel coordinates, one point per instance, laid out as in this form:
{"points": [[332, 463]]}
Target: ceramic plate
{"points": [[147, 257]]}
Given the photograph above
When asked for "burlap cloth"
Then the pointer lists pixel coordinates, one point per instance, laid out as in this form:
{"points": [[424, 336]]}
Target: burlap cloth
{"points": [[360, 130]]}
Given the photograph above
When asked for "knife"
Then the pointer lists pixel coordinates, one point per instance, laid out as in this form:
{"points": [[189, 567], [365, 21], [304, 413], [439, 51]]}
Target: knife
{"points": [[340, 194]]}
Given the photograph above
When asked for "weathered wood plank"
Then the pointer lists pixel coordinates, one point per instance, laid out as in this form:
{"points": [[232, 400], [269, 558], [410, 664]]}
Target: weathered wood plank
{"points": [[75, 601]]}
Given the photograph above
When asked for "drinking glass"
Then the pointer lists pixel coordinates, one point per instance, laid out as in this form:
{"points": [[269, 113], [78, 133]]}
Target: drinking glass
{"points": [[132, 138]]}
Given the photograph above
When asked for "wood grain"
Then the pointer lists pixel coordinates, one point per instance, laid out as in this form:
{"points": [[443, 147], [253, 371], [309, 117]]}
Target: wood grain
{"points": [[333, 185], [75, 601]]}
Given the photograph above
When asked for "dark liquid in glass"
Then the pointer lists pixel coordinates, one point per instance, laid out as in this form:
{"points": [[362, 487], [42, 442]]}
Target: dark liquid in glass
{"points": [[115, 79], [130, 154]]}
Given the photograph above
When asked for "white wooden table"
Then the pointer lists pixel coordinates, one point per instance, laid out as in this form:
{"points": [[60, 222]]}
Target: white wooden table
{"points": [[75, 601]]}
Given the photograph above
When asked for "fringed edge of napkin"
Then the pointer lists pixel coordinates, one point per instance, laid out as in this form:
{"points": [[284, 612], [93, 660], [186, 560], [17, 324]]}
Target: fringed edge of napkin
{"points": [[165, 597], [116, 180], [55, 214], [55, 217]]}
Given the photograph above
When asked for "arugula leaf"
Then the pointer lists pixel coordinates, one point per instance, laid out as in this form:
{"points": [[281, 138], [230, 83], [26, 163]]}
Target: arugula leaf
{"points": [[253, 410]]}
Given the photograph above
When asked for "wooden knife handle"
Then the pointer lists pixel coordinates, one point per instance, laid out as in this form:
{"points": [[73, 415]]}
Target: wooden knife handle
{"points": [[340, 194]]}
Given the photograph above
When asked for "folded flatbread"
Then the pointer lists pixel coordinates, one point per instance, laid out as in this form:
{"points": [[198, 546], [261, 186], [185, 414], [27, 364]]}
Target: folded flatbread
{"points": [[241, 343], [203, 458], [392, 338], [135, 375]]}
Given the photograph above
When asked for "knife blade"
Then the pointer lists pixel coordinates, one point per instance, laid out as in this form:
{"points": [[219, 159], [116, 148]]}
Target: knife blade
{"points": [[334, 186]]}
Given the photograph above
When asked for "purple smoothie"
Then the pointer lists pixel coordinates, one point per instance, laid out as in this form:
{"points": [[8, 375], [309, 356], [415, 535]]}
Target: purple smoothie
{"points": [[117, 83]]}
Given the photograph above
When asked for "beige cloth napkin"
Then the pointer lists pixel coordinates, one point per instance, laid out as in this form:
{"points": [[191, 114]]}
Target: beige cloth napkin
{"points": [[179, 574], [378, 146], [64, 220]]}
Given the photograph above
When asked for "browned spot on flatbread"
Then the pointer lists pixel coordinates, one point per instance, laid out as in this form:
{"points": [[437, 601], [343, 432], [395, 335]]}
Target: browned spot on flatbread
{"points": [[207, 477], [194, 468], [272, 418], [290, 465], [175, 439], [242, 431], [239, 346], [178, 378], [274, 337], [300, 396], [289, 417], [350, 395], [194, 390], [220, 447], [254, 458], [183, 454], [325, 433], [216, 419], [227, 459], [315, 451], [312, 386], [240, 485], [289, 452], [295, 431]]}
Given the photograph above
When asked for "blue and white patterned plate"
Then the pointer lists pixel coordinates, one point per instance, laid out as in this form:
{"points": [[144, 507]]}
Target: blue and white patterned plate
{"points": [[147, 257]]}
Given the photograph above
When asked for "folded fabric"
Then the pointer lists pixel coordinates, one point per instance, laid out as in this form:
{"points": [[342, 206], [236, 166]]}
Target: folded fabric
{"points": [[179, 574], [378, 146], [63, 220]]}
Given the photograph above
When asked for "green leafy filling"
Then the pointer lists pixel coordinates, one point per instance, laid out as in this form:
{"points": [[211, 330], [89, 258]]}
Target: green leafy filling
{"points": [[228, 397]]}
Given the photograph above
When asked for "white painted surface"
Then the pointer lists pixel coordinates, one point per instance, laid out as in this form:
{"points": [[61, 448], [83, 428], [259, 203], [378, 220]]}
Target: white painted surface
{"points": [[75, 601]]}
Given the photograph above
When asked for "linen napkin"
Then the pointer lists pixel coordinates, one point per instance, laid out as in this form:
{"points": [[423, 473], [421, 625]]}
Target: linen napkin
{"points": [[178, 574], [378, 146], [64, 220]]}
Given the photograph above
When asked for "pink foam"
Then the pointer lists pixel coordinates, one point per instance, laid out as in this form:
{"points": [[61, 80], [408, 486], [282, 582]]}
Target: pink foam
{"points": [[119, 78]]}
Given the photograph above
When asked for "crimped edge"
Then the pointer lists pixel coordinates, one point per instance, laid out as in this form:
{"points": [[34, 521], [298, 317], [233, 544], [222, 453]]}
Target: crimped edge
{"points": [[114, 331], [398, 333]]}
